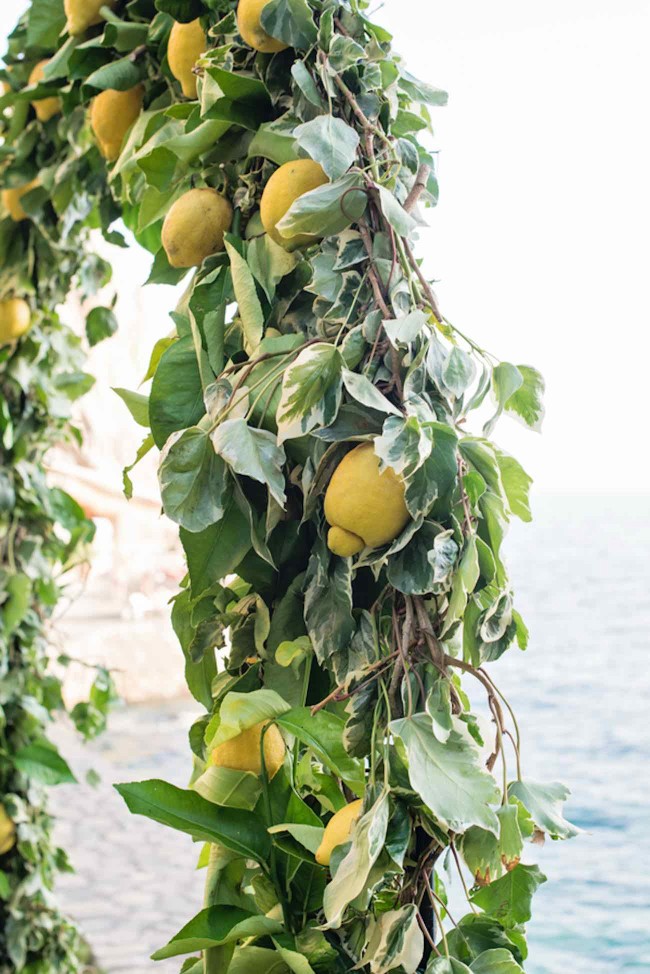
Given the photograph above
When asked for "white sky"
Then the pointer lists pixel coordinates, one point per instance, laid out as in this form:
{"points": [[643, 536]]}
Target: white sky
{"points": [[541, 240]]}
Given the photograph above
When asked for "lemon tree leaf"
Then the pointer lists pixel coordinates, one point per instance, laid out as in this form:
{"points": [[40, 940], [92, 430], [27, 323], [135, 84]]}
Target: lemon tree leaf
{"points": [[214, 926], [218, 550], [42, 762], [250, 309], [329, 141], [447, 965], [185, 811], [323, 733], [137, 405], [176, 398], [225, 786], [240, 711], [448, 777]]}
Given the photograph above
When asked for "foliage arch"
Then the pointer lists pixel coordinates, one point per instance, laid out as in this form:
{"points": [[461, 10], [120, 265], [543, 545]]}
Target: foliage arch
{"points": [[282, 358]]}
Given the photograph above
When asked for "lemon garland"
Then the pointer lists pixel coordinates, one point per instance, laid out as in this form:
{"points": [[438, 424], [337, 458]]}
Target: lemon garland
{"points": [[342, 529]]}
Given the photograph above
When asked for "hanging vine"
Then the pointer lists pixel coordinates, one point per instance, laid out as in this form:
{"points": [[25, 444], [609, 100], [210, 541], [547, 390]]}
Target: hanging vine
{"points": [[325, 438], [53, 191]]}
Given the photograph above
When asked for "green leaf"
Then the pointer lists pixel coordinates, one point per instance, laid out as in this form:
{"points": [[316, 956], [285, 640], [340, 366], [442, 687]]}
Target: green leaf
{"points": [[14, 610], [176, 399], [448, 777], [311, 391], [516, 484], [214, 926], [509, 899], [498, 961], [309, 836], [186, 811], [402, 222], [144, 448], [193, 480], [329, 141], [253, 453], [240, 711], [544, 802], [250, 309], [477, 933], [275, 141], [216, 552], [137, 405], [42, 762], [182, 10], [290, 21], [447, 965], [269, 264], [323, 733], [527, 404], [225, 786], [327, 210], [101, 323], [45, 21]]}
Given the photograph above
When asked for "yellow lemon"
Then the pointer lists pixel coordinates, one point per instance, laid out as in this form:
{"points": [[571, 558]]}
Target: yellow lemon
{"points": [[364, 507], [195, 226], [11, 200], [285, 186], [251, 30], [15, 319], [45, 108], [242, 753], [7, 832], [186, 45], [82, 14], [338, 830], [111, 116]]}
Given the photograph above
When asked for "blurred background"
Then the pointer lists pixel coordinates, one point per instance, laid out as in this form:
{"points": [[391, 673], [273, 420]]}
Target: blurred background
{"points": [[540, 246]]}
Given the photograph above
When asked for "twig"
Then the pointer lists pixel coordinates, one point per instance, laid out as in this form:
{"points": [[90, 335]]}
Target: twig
{"points": [[432, 301], [419, 187]]}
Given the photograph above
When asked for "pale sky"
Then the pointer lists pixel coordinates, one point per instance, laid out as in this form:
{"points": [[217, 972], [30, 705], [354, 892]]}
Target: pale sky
{"points": [[540, 242]]}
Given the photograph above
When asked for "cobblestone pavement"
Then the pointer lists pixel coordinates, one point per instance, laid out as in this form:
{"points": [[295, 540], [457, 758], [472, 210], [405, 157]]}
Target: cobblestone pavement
{"points": [[135, 885]]}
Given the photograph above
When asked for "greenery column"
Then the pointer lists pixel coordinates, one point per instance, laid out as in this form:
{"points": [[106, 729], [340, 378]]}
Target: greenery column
{"points": [[326, 449]]}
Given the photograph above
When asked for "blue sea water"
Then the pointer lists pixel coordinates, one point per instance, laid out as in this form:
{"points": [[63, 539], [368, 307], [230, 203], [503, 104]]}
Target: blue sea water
{"points": [[582, 694], [582, 691]]}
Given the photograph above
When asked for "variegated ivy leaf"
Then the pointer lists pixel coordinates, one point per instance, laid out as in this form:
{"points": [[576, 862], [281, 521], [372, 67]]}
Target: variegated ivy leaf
{"points": [[463, 585], [351, 250], [509, 899], [329, 141], [253, 453], [395, 941], [487, 856], [362, 389], [448, 777], [311, 391], [458, 372], [290, 21], [350, 878], [327, 210], [516, 483], [403, 445], [506, 381], [403, 331]]}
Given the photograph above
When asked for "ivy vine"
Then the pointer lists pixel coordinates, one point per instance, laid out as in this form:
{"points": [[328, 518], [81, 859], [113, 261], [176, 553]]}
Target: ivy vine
{"points": [[355, 753]]}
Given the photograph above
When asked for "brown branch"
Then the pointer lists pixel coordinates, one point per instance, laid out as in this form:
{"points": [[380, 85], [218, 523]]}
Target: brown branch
{"points": [[432, 301], [419, 187]]}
